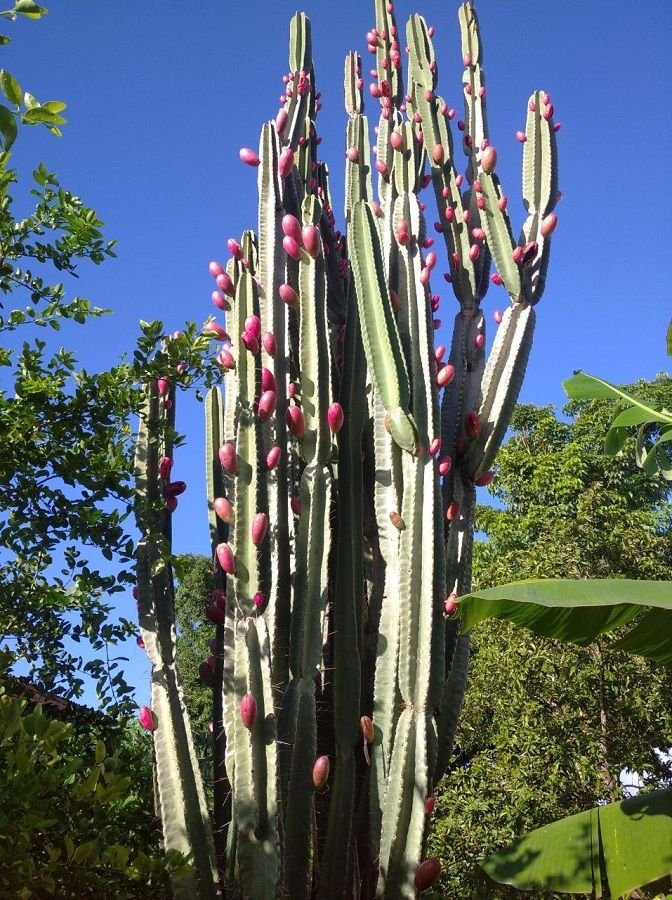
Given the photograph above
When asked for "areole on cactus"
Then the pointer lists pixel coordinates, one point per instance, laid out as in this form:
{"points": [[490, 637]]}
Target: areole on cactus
{"points": [[342, 460]]}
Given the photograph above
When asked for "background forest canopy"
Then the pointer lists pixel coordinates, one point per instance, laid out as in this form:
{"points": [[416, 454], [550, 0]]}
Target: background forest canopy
{"points": [[546, 730]]}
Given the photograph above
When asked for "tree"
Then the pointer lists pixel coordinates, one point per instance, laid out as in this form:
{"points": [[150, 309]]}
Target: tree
{"points": [[66, 447], [547, 728]]}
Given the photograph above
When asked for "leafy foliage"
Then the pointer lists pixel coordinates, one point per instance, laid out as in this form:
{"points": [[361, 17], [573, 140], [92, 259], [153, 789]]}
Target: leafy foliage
{"points": [[653, 449], [75, 819], [547, 728], [196, 583]]}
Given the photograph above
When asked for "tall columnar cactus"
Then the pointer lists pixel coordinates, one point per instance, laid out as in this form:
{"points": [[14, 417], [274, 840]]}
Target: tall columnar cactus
{"points": [[342, 484]]}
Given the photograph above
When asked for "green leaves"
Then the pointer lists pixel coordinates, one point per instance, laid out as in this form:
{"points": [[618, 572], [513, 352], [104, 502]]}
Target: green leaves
{"points": [[630, 842], [10, 87], [579, 611], [655, 423], [29, 9]]}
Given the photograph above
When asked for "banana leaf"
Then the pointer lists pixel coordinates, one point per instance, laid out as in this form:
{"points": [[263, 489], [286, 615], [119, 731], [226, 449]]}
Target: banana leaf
{"points": [[579, 611], [620, 846]]}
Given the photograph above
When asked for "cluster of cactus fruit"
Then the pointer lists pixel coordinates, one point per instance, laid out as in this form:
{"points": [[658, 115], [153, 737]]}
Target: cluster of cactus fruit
{"points": [[342, 460]]}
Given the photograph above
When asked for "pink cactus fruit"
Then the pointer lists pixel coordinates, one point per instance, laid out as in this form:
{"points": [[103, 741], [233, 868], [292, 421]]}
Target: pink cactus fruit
{"points": [[147, 718], [366, 727], [165, 466], [295, 422], [228, 457], [335, 417], [163, 385], [269, 344], [267, 404], [430, 803], [249, 157], [288, 295], [320, 772], [472, 425], [445, 375], [226, 559], [311, 240], [291, 227], [215, 613], [548, 224], [427, 874], [285, 162], [489, 160], [215, 268], [272, 458], [259, 528], [453, 511], [485, 479], [248, 710], [295, 504], [224, 509]]}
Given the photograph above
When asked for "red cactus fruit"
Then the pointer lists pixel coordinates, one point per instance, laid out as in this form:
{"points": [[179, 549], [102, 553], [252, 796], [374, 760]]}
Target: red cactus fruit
{"points": [[248, 710], [427, 874], [311, 240], [206, 674], [259, 528], [352, 154], [175, 488], [215, 614], [225, 284], [281, 121], [250, 343], [285, 162], [479, 341], [165, 465], [295, 504], [163, 385], [147, 718], [295, 422], [267, 403], [445, 375], [335, 417], [472, 426], [288, 295], [272, 457], [253, 326], [485, 479], [234, 248], [548, 224], [445, 465], [435, 446], [268, 343], [397, 140], [171, 504], [497, 316], [258, 600], [218, 597], [249, 157], [489, 160], [496, 278], [439, 353], [224, 509], [226, 559], [291, 247], [453, 511], [366, 727], [320, 772], [521, 136], [215, 268], [430, 803], [397, 521], [228, 458], [226, 359], [438, 154]]}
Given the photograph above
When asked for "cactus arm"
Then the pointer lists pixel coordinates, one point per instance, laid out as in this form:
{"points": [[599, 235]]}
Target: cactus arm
{"points": [[314, 350], [379, 329], [437, 133], [300, 813], [540, 188], [540, 159], [273, 315], [215, 486], [180, 789], [348, 591], [451, 704], [502, 381], [495, 223], [387, 70], [254, 762]]}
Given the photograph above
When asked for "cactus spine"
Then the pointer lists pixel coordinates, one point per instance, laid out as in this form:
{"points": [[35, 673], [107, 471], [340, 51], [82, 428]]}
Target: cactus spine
{"points": [[341, 487]]}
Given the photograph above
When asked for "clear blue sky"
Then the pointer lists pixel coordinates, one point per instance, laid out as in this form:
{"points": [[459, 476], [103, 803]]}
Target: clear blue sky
{"points": [[161, 97]]}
